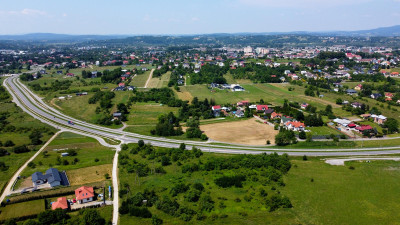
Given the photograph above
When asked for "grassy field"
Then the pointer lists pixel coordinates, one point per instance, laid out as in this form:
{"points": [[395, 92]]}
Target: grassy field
{"points": [[339, 195], [324, 130], [148, 113], [89, 153], [159, 82], [18, 119], [140, 79], [22, 209], [276, 93]]}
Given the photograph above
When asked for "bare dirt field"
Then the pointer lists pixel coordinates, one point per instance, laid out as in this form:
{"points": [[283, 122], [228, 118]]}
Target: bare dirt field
{"points": [[249, 132]]}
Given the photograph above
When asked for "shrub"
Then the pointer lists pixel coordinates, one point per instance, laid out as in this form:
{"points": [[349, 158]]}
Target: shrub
{"points": [[21, 149], [305, 158], [179, 188], [139, 212], [229, 181], [156, 221], [276, 201], [9, 143]]}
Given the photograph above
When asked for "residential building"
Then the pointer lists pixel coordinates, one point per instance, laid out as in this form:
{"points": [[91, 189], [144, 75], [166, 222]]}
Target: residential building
{"points": [[84, 194]]}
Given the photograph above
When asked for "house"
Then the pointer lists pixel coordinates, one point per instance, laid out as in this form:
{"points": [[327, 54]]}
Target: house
{"points": [[70, 75], [262, 108], [375, 95], [84, 194], [216, 110], [379, 119], [356, 105], [342, 122], [269, 111], [304, 106], [351, 91], [295, 125], [352, 125], [239, 113], [119, 89], [117, 115], [121, 85], [358, 87], [389, 95], [363, 128], [61, 203], [275, 115], [236, 87], [51, 177], [285, 119], [365, 116], [243, 103]]}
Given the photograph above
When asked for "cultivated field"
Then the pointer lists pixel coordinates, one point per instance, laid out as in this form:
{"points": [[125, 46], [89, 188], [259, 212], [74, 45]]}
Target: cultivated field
{"points": [[97, 173], [248, 132]]}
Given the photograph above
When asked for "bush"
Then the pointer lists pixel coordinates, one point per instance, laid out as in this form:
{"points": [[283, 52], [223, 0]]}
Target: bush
{"points": [[9, 143], [206, 203], [21, 149], [179, 188], [192, 195], [302, 135], [141, 143], [229, 181], [156, 221], [276, 201], [32, 165], [140, 212], [305, 158]]}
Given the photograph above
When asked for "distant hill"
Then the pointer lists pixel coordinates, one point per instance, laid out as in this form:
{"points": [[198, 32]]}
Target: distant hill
{"points": [[383, 32], [59, 37]]}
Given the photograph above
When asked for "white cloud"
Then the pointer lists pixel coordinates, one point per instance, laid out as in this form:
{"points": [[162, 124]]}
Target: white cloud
{"points": [[24, 12], [301, 3]]}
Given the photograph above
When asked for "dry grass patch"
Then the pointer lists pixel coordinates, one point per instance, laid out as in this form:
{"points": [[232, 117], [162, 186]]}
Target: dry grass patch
{"points": [[249, 132], [89, 174], [184, 95]]}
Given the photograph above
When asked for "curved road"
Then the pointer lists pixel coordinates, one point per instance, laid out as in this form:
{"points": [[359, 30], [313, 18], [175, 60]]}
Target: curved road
{"points": [[33, 105]]}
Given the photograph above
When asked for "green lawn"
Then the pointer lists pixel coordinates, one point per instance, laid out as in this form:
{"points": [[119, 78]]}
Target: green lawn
{"points": [[147, 113], [339, 195], [87, 150], [159, 82], [140, 79], [22, 209], [324, 130]]}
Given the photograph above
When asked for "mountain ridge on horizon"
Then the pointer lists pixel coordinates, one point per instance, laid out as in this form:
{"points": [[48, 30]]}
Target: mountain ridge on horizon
{"points": [[381, 31]]}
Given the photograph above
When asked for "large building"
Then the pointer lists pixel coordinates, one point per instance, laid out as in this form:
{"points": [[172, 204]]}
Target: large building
{"points": [[51, 177]]}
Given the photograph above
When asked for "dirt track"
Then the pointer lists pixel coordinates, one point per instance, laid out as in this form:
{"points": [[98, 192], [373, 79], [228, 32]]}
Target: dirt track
{"points": [[247, 132]]}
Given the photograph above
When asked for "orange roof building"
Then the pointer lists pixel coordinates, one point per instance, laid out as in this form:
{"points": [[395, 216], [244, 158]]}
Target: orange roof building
{"points": [[61, 203], [84, 194]]}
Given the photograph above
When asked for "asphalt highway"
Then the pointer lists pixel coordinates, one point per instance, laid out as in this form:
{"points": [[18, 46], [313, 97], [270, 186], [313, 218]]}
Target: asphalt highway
{"points": [[35, 106]]}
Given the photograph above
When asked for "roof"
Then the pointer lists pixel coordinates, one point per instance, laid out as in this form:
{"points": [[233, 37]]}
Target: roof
{"points": [[61, 203], [37, 176], [364, 127], [296, 124], [84, 192], [53, 175], [262, 107], [215, 107]]}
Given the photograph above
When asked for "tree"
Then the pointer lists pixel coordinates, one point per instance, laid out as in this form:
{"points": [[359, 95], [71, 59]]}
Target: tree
{"points": [[339, 101], [156, 221], [392, 125], [9, 143], [302, 135], [92, 217], [35, 137], [141, 143], [50, 217]]}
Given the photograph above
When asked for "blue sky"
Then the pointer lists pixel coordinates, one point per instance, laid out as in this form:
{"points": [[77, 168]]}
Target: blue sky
{"points": [[193, 16]]}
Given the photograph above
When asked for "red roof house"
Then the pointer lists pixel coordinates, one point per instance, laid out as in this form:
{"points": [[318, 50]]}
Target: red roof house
{"points": [[262, 107], [363, 128], [61, 203], [84, 194], [121, 85], [216, 107]]}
